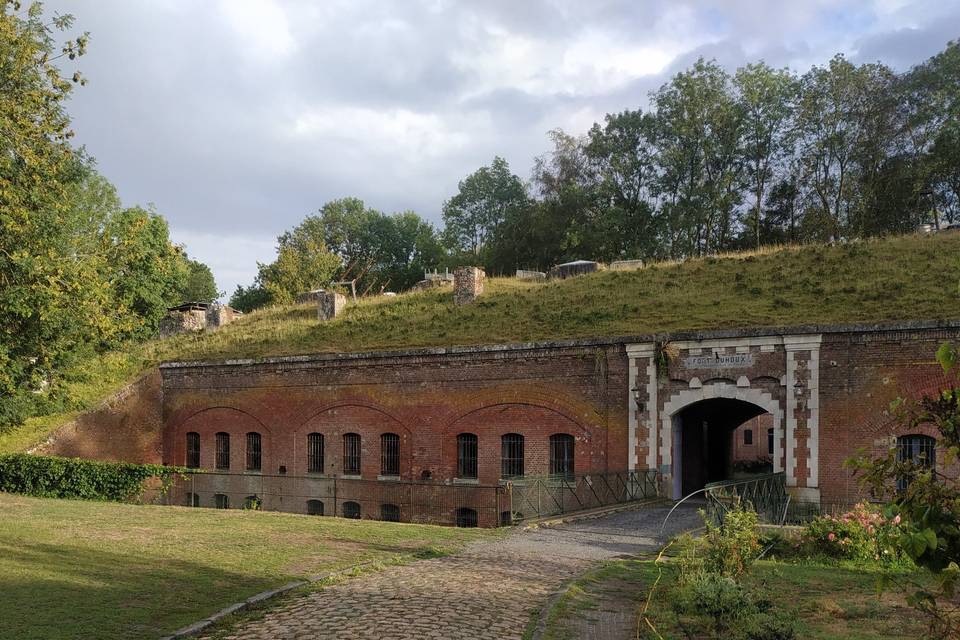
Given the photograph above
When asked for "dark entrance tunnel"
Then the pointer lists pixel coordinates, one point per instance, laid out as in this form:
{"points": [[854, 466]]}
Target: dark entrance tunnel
{"points": [[704, 447]]}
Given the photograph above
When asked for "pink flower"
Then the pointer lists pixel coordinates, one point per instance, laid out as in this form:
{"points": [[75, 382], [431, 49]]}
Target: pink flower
{"points": [[831, 537], [896, 519]]}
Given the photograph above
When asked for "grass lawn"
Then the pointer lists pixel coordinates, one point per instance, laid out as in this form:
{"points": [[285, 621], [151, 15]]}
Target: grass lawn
{"points": [[74, 569], [831, 603]]}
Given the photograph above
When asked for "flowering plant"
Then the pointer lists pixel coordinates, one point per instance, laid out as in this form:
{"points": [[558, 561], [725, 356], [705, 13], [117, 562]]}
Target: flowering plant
{"points": [[863, 533]]}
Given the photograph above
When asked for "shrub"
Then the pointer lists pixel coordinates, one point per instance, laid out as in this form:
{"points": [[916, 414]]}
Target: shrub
{"points": [[51, 477], [720, 598], [733, 546], [861, 534], [770, 625]]}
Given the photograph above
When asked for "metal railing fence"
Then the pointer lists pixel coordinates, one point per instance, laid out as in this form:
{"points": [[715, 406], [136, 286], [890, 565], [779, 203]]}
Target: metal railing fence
{"points": [[444, 503], [766, 494]]}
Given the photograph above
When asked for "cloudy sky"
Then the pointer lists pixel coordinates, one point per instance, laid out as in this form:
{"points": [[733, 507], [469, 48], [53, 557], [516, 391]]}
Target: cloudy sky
{"points": [[237, 118]]}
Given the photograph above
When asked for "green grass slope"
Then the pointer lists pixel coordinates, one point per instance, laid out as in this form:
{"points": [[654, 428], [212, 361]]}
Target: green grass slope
{"points": [[902, 278], [910, 277]]}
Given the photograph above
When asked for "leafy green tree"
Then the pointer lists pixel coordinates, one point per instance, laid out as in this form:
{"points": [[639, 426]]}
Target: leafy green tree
{"points": [[248, 299], [51, 296], [623, 159], [200, 285], [766, 98], [484, 200], [699, 126], [303, 263], [146, 271]]}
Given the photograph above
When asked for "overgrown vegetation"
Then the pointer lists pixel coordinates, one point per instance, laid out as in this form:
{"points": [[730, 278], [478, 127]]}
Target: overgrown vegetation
{"points": [[52, 477], [116, 571]]}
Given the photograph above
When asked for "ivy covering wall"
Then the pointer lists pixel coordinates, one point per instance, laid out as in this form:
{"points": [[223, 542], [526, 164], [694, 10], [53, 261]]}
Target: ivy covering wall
{"points": [[52, 477]]}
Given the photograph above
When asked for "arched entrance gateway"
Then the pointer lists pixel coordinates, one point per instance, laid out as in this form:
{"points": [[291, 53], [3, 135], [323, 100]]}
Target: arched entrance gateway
{"points": [[688, 398], [705, 443]]}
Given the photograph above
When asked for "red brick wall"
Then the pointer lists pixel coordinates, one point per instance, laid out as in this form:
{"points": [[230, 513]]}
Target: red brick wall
{"points": [[427, 399]]}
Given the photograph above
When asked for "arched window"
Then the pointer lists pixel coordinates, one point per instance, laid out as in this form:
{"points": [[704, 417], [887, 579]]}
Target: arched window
{"points": [[511, 455], [467, 455], [918, 451], [390, 513], [351, 453], [252, 503], [223, 450], [314, 507], [193, 450], [466, 517], [192, 500], [253, 451], [351, 510], [315, 453], [390, 454], [221, 501], [561, 454]]}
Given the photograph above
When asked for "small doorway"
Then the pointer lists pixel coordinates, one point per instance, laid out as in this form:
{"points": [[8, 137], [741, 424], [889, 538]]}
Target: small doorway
{"points": [[708, 442]]}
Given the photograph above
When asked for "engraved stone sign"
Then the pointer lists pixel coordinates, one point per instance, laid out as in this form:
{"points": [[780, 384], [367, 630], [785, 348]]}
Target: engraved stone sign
{"points": [[719, 361]]}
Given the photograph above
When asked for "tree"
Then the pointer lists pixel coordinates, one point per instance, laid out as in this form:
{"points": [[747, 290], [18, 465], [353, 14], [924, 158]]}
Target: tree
{"points": [[146, 272], [766, 99], [200, 285], [623, 159], [483, 202], [303, 263], [50, 292], [699, 128]]}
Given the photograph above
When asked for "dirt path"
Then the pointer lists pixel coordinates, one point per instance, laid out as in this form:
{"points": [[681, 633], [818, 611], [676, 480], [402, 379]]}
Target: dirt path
{"points": [[489, 590]]}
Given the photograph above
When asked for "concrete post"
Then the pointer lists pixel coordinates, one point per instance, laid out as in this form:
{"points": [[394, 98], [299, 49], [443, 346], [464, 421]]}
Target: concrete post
{"points": [[330, 304]]}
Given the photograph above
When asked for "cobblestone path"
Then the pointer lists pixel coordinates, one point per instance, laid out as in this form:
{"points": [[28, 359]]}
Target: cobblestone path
{"points": [[488, 590]]}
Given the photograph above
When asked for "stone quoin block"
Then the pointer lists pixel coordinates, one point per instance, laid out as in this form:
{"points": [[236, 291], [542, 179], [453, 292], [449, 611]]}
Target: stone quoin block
{"points": [[330, 304], [467, 284]]}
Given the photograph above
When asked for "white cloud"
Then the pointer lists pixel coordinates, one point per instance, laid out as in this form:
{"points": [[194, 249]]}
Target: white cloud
{"points": [[260, 27]]}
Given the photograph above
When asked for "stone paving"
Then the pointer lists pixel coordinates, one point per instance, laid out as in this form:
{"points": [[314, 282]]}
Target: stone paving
{"points": [[488, 590]]}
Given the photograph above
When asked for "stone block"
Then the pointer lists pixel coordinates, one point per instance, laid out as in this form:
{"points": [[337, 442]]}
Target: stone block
{"points": [[467, 284], [330, 304]]}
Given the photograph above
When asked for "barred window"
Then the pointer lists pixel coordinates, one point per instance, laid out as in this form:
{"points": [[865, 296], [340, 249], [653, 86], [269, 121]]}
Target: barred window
{"points": [[253, 451], [221, 501], [192, 500], [466, 455], [511, 455], [917, 450], [223, 450], [466, 517], [390, 454], [193, 450], [315, 453], [748, 436], [390, 513], [314, 508], [561, 454], [351, 453], [770, 441], [351, 510]]}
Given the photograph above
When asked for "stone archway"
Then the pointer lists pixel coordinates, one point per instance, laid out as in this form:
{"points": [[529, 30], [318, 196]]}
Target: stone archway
{"points": [[722, 407]]}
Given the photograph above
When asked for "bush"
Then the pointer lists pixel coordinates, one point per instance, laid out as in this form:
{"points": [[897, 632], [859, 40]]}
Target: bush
{"points": [[770, 625], [861, 534], [733, 546], [51, 477]]}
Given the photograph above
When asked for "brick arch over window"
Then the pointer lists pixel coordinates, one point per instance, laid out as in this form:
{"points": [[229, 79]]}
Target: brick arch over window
{"points": [[210, 421], [561, 401], [535, 422], [352, 416]]}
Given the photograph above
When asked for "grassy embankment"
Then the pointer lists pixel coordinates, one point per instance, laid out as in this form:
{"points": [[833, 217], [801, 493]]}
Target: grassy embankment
{"points": [[830, 603], [72, 569], [909, 277]]}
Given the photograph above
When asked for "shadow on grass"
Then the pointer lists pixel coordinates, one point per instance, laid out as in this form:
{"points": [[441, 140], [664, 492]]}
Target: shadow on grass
{"points": [[56, 592]]}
